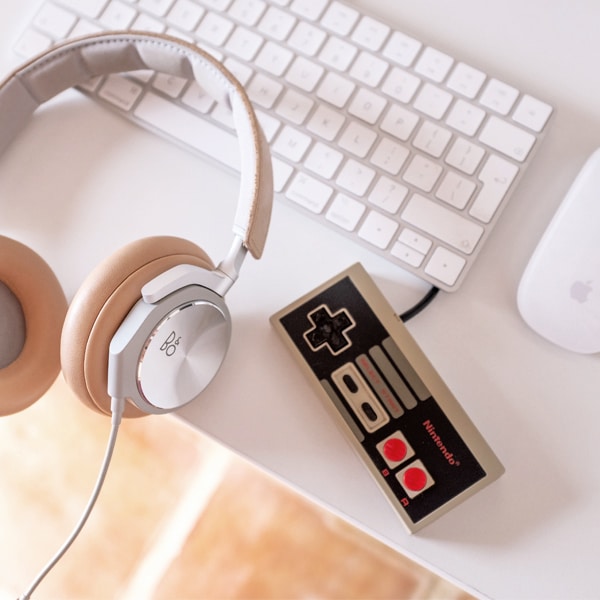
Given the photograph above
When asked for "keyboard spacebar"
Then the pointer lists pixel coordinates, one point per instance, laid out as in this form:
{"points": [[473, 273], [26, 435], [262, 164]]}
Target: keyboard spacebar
{"points": [[190, 129]]}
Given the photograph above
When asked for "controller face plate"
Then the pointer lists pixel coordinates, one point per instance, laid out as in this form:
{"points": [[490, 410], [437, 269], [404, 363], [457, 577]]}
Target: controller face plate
{"points": [[392, 405]]}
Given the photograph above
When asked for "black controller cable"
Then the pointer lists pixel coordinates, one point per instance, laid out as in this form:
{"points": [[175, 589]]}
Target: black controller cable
{"points": [[420, 305]]}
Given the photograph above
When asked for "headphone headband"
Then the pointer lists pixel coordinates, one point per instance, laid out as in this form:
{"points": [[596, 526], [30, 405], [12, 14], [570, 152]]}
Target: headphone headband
{"points": [[75, 62], [148, 329]]}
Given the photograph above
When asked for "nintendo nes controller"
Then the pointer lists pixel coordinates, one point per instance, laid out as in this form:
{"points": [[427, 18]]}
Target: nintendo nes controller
{"points": [[393, 407]]}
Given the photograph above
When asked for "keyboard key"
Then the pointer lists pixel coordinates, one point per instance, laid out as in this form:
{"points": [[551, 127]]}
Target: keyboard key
{"points": [[84, 27], [442, 223], [294, 107], [304, 74], [244, 43], [241, 71], [422, 173], [291, 143], [402, 49], [247, 12], [370, 33], [357, 139], [214, 29], [408, 255], [183, 125], [276, 23], [326, 123], [156, 7], [465, 155], [55, 21], [465, 117], [218, 5], [323, 160], [378, 229], [368, 69], [307, 38], [345, 212], [222, 114], [445, 266], [169, 84], [118, 15], [497, 176], [355, 177], [337, 53], [195, 97], [264, 90], [399, 122], [415, 240], [433, 101], [92, 85], [367, 106], [144, 22], [401, 85], [120, 91], [432, 138], [434, 64], [274, 58], [32, 42], [388, 194], [309, 9], [339, 18], [142, 75], [335, 89], [466, 80], [532, 113], [389, 156], [309, 193], [455, 190], [499, 96], [506, 138], [185, 14], [89, 8]]}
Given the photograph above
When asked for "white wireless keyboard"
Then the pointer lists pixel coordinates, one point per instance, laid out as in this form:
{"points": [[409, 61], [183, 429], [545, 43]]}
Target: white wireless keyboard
{"points": [[394, 143]]}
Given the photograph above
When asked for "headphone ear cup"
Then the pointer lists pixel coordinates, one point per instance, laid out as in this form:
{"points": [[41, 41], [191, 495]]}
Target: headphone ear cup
{"points": [[103, 302], [32, 368]]}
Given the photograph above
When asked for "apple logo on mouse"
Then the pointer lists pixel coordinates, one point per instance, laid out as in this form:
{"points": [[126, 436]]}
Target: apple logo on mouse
{"points": [[580, 291]]}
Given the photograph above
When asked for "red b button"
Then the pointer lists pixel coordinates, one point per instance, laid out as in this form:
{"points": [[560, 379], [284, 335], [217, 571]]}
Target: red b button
{"points": [[395, 449]]}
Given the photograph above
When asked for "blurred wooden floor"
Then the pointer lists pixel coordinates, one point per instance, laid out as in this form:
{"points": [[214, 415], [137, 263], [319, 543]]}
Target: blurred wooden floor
{"points": [[180, 518]]}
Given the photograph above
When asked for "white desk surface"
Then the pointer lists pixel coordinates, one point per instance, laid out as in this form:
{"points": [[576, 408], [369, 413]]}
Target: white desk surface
{"points": [[81, 182]]}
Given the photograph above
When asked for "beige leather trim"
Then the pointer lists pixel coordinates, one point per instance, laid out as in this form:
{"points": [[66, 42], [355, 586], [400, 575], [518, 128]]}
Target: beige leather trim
{"points": [[101, 304], [44, 306]]}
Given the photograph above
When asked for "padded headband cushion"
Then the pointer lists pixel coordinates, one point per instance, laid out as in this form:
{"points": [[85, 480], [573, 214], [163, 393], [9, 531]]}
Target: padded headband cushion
{"points": [[76, 62], [101, 304], [44, 306]]}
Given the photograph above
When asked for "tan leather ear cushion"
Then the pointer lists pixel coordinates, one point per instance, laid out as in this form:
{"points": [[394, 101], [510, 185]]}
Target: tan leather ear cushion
{"points": [[44, 306], [102, 303]]}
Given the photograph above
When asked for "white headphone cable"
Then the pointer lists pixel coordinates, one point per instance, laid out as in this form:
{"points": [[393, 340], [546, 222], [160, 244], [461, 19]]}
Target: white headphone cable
{"points": [[117, 408]]}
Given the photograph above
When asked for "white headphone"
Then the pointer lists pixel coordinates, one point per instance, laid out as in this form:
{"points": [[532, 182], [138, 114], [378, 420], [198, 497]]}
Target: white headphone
{"points": [[149, 325], [148, 329]]}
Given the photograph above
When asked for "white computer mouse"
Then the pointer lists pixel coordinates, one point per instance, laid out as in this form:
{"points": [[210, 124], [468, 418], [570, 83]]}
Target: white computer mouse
{"points": [[559, 293]]}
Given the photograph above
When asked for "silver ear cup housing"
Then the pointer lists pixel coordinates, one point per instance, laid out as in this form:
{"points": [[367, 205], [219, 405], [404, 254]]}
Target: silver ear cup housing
{"points": [[165, 354]]}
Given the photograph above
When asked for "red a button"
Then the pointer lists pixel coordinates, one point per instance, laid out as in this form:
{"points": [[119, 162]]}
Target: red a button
{"points": [[415, 479]]}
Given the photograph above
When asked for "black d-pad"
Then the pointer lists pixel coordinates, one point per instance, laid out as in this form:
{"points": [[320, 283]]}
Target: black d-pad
{"points": [[329, 329]]}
